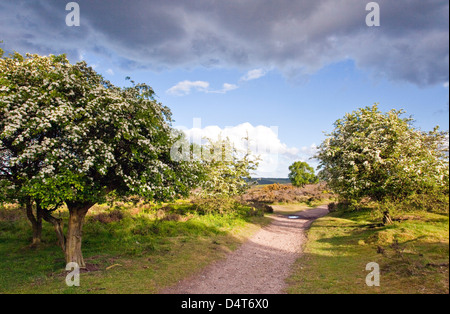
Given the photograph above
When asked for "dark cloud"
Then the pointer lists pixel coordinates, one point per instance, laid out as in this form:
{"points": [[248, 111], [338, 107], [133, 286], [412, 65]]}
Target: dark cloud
{"points": [[295, 36]]}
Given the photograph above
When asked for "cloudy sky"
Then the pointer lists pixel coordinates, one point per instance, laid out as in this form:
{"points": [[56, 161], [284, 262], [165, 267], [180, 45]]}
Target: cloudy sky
{"points": [[281, 70]]}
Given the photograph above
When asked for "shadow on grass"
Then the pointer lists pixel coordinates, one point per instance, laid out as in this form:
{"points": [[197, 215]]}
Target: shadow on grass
{"points": [[132, 237], [413, 255]]}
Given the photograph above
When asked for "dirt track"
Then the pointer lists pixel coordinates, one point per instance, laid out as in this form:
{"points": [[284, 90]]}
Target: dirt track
{"points": [[260, 265]]}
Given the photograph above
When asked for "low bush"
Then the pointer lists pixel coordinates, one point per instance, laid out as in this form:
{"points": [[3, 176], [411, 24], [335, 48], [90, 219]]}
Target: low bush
{"points": [[286, 193]]}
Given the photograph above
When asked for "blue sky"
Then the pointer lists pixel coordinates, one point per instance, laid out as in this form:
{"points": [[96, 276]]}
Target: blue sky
{"points": [[302, 109], [297, 66]]}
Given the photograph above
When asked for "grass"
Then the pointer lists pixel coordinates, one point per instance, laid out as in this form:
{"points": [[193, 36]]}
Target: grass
{"points": [[141, 250], [287, 209], [291, 208], [413, 254]]}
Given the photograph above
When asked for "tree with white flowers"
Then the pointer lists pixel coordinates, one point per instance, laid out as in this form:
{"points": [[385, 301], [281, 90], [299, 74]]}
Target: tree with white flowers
{"points": [[227, 174], [228, 170], [69, 136], [382, 156]]}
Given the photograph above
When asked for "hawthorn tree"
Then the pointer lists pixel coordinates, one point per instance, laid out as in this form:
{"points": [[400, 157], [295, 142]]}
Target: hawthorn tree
{"points": [[301, 174], [228, 170], [226, 173], [382, 156], [13, 175], [85, 138]]}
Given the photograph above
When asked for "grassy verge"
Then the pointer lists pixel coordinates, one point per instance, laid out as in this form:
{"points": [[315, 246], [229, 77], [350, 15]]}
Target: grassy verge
{"points": [[413, 254], [291, 208], [139, 249]]}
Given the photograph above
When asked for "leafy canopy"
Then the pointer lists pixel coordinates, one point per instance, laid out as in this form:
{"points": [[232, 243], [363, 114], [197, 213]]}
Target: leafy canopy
{"points": [[68, 135], [381, 155], [227, 170], [301, 174]]}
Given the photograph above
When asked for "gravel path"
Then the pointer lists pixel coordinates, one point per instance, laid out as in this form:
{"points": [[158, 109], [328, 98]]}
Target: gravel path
{"points": [[260, 265]]}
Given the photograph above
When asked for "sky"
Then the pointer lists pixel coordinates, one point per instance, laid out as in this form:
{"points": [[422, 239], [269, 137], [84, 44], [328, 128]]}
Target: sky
{"points": [[281, 71]]}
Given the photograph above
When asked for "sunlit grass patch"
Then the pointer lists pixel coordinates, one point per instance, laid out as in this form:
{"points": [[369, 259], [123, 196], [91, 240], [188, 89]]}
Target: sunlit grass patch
{"points": [[413, 254]]}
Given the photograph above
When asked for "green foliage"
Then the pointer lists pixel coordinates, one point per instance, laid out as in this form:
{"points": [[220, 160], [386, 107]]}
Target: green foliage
{"points": [[228, 171], [433, 201], [227, 174], [381, 155], [301, 174], [220, 203], [66, 134]]}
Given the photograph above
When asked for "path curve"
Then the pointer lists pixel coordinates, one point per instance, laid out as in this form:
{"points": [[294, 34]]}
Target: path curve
{"points": [[260, 265]]}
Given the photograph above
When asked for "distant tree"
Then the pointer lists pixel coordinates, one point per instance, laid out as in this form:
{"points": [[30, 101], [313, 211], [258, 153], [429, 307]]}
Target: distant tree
{"points": [[301, 174], [382, 156], [69, 136]]}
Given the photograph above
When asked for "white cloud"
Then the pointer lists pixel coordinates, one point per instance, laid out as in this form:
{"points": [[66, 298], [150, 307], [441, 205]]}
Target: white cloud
{"points": [[309, 151], [446, 84], [253, 75], [110, 72], [276, 156], [185, 87], [225, 88]]}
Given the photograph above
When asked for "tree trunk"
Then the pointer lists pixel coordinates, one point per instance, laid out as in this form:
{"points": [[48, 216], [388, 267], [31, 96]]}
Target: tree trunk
{"points": [[73, 252], [58, 224], [36, 222], [387, 219]]}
